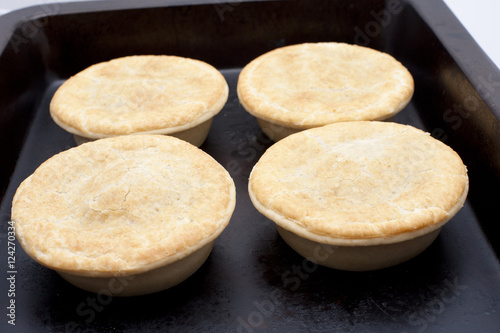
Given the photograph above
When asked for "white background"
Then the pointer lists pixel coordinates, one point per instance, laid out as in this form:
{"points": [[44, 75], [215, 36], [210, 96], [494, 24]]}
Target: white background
{"points": [[480, 18]]}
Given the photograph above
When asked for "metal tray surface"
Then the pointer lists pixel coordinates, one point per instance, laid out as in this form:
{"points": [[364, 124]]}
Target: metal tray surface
{"points": [[252, 281]]}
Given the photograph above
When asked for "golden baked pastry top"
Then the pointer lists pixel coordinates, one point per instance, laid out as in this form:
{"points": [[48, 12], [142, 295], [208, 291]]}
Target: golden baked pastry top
{"points": [[139, 94], [359, 183], [122, 205], [314, 84]]}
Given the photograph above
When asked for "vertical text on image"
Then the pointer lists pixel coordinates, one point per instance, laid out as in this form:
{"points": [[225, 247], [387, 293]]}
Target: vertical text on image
{"points": [[11, 273]]}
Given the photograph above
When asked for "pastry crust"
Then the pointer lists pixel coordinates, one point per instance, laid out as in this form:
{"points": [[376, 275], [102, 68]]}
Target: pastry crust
{"points": [[314, 84], [359, 183], [139, 94], [122, 206]]}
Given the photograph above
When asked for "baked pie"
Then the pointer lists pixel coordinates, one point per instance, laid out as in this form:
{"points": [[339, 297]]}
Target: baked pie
{"points": [[302, 86], [359, 195], [142, 208], [150, 94]]}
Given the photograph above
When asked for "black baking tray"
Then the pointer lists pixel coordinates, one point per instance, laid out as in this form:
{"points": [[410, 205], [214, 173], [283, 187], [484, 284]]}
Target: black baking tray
{"points": [[252, 281]]}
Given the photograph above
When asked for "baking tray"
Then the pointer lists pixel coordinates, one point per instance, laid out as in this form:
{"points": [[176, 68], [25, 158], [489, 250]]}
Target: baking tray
{"points": [[252, 281]]}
